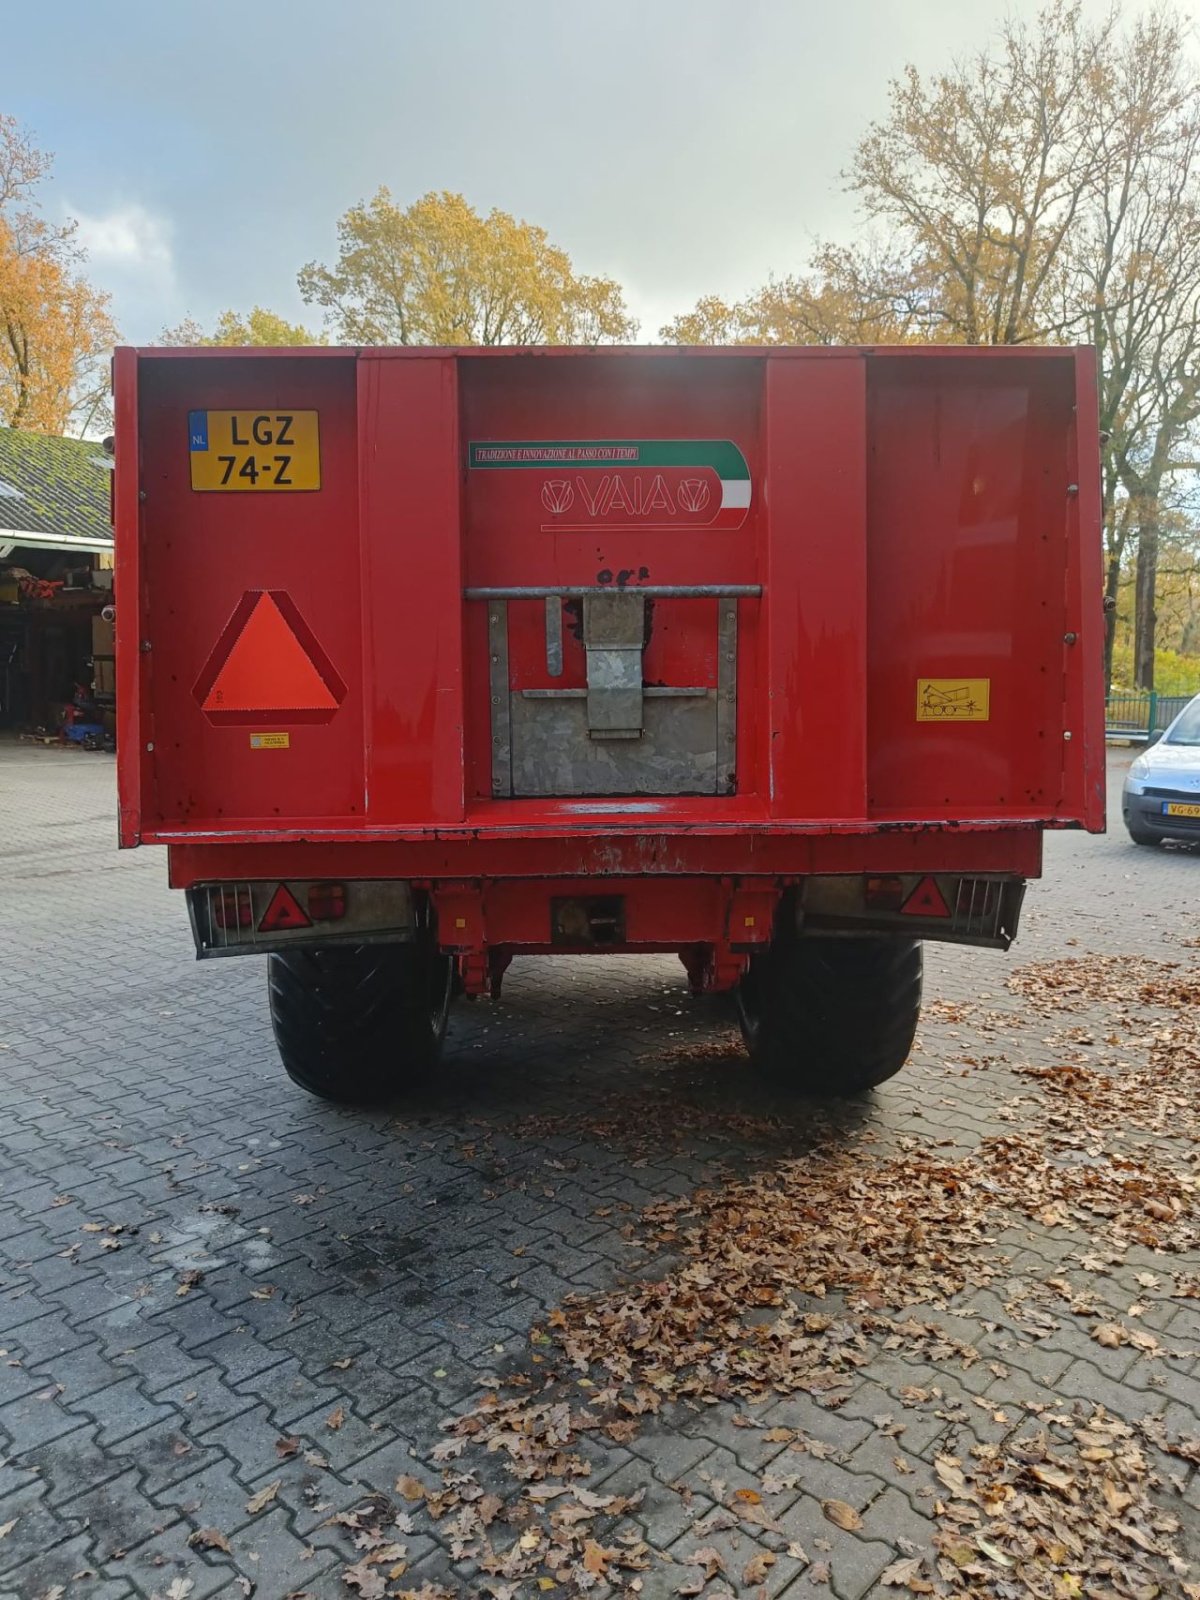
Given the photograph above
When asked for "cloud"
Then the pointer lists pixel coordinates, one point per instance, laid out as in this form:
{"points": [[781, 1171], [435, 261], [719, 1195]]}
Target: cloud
{"points": [[129, 237], [130, 252]]}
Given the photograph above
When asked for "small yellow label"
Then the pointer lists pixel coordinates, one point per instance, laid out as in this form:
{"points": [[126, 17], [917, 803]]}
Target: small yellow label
{"points": [[953, 699], [270, 741]]}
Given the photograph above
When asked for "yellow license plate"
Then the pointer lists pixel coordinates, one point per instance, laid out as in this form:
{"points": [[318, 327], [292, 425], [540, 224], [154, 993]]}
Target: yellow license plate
{"points": [[250, 451], [1175, 808]]}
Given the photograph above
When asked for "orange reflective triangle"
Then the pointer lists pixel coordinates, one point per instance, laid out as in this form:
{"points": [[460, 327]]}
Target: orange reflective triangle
{"points": [[926, 900], [268, 669], [284, 911]]}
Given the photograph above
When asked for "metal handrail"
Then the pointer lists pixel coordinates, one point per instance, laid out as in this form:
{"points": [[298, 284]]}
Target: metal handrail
{"points": [[653, 591]]}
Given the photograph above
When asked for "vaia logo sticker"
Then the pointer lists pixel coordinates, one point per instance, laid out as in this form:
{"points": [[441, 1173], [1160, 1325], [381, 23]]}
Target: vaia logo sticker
{"points": [[627, 483], [557, 496], [693, 494]]}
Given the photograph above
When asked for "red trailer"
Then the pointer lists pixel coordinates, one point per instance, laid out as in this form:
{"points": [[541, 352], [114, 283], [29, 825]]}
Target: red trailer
{"points": [[778, 659]]}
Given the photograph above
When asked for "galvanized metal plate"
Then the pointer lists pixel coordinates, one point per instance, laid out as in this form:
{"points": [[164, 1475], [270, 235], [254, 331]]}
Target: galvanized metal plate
{"points": [[552, 753], [499, 692]]}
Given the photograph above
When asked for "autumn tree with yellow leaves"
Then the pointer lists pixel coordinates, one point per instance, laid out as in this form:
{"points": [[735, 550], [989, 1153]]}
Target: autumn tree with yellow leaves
{"points": [[855, 295], [1047, 190], [256, 327], [55, 329], [439, 272]]}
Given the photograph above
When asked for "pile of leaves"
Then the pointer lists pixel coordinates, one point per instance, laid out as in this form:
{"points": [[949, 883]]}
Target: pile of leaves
{"points": [[1061, 1511], [1095, 1085], [1066, 984], [790, 1280]]}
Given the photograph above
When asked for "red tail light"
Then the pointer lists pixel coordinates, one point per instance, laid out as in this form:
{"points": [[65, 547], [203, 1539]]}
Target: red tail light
{"points": [[231, 908], [884, 894], [327, 902]]}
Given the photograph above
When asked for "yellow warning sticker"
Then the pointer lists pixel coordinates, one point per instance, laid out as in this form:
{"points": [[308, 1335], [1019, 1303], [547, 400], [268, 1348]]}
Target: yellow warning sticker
{"points": [[953, 699], [270, 741]]}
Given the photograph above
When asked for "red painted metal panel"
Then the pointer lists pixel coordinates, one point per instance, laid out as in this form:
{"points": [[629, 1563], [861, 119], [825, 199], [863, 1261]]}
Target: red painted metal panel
{"points": [[133, 766], [1083, 663], [201, 555], [410, 528], [815, 669], [973, 511], [658, 911], [736, 851]]}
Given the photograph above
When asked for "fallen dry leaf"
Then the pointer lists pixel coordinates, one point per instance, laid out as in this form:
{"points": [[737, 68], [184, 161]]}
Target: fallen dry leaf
{"points": [[263, 1498], [208, 1539], [841, 1514], [901, 1573], [596, 1557], [710, 1558], [1052, 1476], [335, 1419], [758, 1567], [366, 1579], [949, 1471], [1110, 1334]]}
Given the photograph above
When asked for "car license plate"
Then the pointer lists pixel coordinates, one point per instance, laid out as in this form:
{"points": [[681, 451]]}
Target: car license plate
{"points": [[251, 451], [1176, 808]]}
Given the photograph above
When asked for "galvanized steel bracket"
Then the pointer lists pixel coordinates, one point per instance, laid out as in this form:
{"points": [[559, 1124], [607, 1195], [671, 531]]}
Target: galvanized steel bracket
{"points": [[614, 636]]}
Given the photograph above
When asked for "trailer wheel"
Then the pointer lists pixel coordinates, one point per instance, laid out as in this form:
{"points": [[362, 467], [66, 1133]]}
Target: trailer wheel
{"points": [[359, 1024], [827, 1016]]}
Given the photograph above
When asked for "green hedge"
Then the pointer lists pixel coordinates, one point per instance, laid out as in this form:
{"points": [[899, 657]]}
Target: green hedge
{"points": [[1173, 673]]}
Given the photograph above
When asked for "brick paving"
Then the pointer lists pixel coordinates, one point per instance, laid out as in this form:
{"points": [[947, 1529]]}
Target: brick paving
{"points": [[140, 1092]]}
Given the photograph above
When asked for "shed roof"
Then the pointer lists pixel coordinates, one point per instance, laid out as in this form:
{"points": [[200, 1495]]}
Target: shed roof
{"points": [[54, 492]]}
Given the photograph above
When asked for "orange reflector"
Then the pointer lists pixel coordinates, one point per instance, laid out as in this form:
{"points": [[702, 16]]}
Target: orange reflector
{"points": [[926, 900], [268, 669], [284, 912], [268, 664]]}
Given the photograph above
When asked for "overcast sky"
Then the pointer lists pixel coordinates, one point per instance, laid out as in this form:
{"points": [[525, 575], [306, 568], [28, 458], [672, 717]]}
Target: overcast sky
{"points": [[682, 146]]}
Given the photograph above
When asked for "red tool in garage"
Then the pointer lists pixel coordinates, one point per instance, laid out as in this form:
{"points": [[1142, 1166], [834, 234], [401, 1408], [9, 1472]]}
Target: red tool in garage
{"points": [[780, 659]]}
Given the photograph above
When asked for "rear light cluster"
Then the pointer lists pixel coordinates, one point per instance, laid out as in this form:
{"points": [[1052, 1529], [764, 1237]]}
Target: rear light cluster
{"points": [[234, 907], [236, 918], [925, 899]]}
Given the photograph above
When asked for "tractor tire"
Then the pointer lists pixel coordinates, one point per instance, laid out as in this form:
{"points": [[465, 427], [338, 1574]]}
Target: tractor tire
{"points": [[828, 1017], [359, 1024]]}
